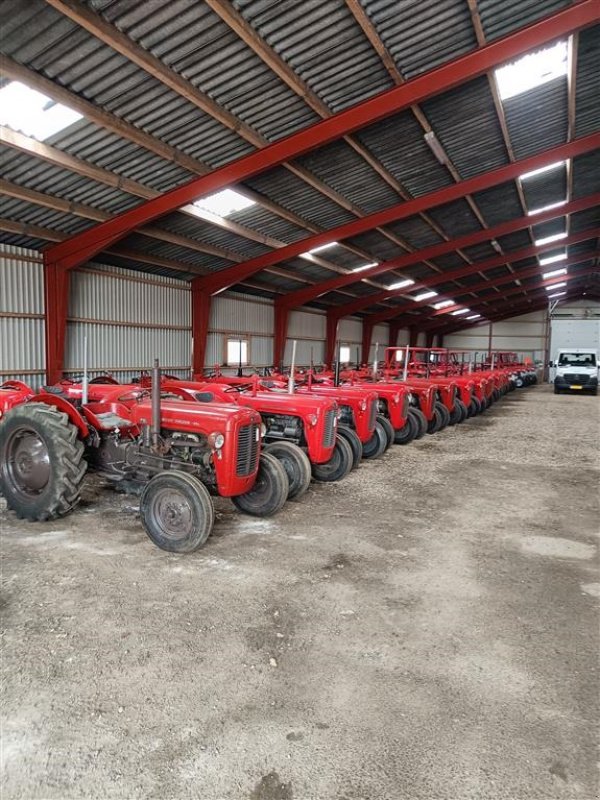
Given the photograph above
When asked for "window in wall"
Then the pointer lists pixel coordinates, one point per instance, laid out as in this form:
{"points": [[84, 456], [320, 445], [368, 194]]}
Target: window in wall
{"points": [[237, 352], [344, 353]]}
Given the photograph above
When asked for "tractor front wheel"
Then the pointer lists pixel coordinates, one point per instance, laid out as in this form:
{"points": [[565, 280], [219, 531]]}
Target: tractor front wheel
{"points": [[421, 420], [351, 436], [296, 464], [41, 462], [435, 423], [445, 414], [269, 492], [388, 428], [408, 432], [338, 466], [377, 444], [177, 512]]}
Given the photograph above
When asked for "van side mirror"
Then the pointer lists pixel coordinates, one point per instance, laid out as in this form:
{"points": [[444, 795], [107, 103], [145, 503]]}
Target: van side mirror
{"points": [[551, 363]]}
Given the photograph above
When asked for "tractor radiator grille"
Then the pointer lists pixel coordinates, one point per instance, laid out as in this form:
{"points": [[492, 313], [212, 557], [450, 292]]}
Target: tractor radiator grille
{"points": [[329, 430], [572, 377], [247, 451], [373, 414]]}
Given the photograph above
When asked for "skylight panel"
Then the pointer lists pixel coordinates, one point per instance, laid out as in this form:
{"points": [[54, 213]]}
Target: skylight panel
{"points": [[33, 113], [424, 296], [365, 266], [532, 70], [554, 273], [474, 316], [318, 249], [224, 204], [556, 237], [549, 207], [552, 259], [556, 286], [443, 304], [558, 294], [541, 170], [459, 312], [401, 284]]}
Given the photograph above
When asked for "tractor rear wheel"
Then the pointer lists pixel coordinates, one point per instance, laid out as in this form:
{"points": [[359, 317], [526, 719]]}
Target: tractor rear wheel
{"points": [[270, 490], [177, 511], [408, 432], [377, 444], [459, 412], [421, 420], [351, 436], [41, 462], [444, 413], [296, 464], [435, 423], [388, 428], [338, 466], [496, 395]]}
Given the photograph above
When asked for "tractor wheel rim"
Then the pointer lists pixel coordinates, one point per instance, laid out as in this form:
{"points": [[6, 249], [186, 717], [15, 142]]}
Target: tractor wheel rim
{"points": [[172, 514], [28, 462]]}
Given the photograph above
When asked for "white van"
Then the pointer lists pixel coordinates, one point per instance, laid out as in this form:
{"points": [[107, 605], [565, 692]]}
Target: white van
{"points": [[576, 369]]}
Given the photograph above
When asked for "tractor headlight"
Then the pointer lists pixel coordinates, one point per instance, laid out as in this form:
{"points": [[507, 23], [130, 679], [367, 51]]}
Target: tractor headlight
{"points": [[363, 405], [216, 440], [312, 420], [396, 399], [263, 430]]}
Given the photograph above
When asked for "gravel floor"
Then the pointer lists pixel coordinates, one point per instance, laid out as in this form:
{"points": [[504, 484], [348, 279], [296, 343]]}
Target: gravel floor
{"points": [[428, 628]]}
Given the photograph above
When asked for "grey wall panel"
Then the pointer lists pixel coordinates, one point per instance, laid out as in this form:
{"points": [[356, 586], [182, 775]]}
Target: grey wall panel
{"points": [[307, 325], [21, 281], [304, 350], [21, 345], [241, 314], [350, 331]]}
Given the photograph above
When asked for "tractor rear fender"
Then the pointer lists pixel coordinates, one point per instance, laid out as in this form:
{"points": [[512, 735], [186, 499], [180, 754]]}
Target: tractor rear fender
{"points": [[63, 405]]}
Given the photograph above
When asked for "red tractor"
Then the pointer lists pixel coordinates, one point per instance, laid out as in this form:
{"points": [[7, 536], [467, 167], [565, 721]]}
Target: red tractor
{"points": [[176, 453], [12, 393], [301, 432]]}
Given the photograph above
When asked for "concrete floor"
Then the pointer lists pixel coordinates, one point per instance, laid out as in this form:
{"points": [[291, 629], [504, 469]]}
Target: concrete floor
{"points": [[426, 629]]}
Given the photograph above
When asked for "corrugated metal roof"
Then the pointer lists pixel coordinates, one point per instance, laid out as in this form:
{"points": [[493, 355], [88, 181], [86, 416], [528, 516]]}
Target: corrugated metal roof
{"points": [[586, 174], [499, 204], [422, 35], [500, 18], [538, 119], [587, 84]]}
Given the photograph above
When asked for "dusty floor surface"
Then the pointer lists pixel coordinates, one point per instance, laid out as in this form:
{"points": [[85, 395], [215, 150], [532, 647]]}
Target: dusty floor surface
{"points": [[426, 629]]}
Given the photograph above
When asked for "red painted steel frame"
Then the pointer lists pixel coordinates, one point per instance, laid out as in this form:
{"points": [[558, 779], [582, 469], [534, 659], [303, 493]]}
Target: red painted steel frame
{"points": [[83, 246]]}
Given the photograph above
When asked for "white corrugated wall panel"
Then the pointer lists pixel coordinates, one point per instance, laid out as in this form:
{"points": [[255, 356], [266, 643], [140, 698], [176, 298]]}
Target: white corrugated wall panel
{"points": [[307, 325], [381, 334], [403, 337], [241, 314], [350, 331], [22, 345], [261, 351], [305, 351]]}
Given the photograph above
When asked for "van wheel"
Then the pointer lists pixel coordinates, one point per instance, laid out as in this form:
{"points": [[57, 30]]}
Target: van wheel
{"points": [[296, 464], [270, 490]]}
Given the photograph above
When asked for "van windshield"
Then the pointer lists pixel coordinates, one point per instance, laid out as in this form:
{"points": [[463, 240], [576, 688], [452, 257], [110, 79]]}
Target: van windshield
{"points": [[577, 360]]}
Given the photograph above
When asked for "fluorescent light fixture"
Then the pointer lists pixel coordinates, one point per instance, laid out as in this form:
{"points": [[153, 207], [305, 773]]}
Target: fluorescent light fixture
{"points": [[558, 294], [531, 70], [33, 113], [555, 237], [535, 172], [424, 296], [555, 286], [401, 284], [460, 311], [443, 304], [366, 266], [224, 203], [496, 246], [549, 207], [552, 259], [554, 273], [436, 147], [474, 316]]}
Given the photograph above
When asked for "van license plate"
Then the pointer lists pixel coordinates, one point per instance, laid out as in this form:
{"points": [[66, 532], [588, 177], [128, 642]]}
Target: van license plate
{"points": [[576, 387]]}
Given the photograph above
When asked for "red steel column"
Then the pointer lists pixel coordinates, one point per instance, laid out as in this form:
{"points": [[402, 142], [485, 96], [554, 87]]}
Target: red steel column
{"points": [[331, 337], [281, 323], [201, 303], [367, 336], [56, 294]]}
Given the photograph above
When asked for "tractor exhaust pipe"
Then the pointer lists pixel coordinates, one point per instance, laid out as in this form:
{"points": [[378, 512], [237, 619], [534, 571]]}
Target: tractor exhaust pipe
{"points": [[85, 381], [405, 372], [155, 398], [336, 366], [292, 368], [375, 361]]}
